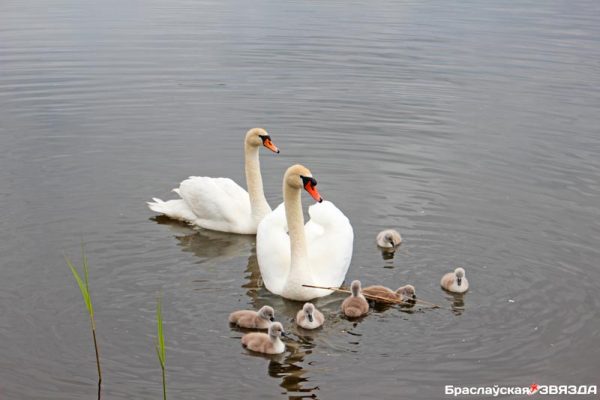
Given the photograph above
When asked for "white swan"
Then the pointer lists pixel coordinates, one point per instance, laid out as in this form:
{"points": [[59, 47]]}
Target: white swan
{"points": [[220, 204], [291, 254]]}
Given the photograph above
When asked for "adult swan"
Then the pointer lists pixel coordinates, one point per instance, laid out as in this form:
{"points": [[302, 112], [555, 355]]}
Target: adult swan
{"points": [[220, 204], [291, 254]]}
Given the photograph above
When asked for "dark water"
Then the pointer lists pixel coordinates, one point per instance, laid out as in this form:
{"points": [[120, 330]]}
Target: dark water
{"points": [[472, 127]]}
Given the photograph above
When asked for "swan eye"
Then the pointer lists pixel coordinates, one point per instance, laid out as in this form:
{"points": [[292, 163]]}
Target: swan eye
{"points": [[309, 184], [306, 180], [266, 139]]}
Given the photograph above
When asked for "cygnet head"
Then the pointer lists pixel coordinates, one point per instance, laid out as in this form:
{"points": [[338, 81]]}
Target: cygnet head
{"points": [[389, 238], [355, 287], [407, 292], [298, 177], [259, 137], [267, 312], [460, 273], [276, 330], [309, 309]]}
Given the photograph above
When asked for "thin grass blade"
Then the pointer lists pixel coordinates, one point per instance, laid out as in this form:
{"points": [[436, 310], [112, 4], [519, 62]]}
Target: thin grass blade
{"points": [[82, 286], [160, 333], [86, 273]]}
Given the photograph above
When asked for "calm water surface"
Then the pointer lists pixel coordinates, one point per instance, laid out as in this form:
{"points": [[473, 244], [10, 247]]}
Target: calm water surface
{"points": [[472, 127]]}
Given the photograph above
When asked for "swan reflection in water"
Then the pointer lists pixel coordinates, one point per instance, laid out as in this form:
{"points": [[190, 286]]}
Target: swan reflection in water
{"points": [[457, 300], [208, 245]]}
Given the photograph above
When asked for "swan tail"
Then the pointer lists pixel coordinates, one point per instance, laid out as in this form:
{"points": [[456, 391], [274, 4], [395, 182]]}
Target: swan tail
{"points": [[176, 209]]}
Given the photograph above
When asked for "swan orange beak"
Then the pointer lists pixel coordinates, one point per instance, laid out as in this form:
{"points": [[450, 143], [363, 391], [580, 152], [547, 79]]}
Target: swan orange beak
{"points": [[314, 193], [309, 186], [269, 144]]}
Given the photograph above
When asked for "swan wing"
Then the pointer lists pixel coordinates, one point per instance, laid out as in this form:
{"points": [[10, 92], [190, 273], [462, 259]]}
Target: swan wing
{"points": [[273, 250], [218, 203], [330, 238]]}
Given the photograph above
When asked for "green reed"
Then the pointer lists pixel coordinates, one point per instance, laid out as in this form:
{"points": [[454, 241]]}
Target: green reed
{"points": [[160, 345], [84, 287]]}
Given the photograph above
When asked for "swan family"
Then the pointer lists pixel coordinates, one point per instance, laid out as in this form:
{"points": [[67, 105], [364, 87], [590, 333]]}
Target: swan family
{"points": [[297, 260]]}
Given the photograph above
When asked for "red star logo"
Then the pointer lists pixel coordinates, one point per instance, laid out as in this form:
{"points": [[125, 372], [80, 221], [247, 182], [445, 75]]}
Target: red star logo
{"points": [[533, 388]]}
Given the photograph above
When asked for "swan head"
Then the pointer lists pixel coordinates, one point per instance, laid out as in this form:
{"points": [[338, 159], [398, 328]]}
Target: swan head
{"points": [[276, 330], [259, 137], [309, 309], [267, 312], [407, 292], [355, 288], [460, 273], [298, 177]]}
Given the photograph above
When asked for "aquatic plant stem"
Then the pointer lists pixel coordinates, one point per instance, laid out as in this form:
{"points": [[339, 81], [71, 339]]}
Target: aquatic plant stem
{"points": [[84, 288], [164, 385], [97, 353], [160, 345], [97, 359]]}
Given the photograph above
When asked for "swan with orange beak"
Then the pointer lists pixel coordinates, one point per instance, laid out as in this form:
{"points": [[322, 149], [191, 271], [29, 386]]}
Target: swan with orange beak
{"points": [[310, 185], [292, 254], [220, 204]]}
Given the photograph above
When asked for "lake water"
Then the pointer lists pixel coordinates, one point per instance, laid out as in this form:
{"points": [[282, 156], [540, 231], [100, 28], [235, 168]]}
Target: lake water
{"points": [[472, 127]]}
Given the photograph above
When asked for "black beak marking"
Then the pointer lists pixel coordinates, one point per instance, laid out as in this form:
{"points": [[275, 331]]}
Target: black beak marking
{"points": [[308, 180]]}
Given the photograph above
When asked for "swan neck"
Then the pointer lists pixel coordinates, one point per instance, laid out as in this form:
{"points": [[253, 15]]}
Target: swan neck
{"points": [[295, 221], [258, 203]]}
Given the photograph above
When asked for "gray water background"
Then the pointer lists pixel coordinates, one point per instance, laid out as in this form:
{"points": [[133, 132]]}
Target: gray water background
{"points": [[472, 127]]}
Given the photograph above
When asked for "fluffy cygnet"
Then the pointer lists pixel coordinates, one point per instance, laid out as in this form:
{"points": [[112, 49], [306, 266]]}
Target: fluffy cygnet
{"points": [[260, 319], [356, 305], [268, 343], [456, 281], [403, 293], [389, 240], [407, 292], [309, 317]]}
